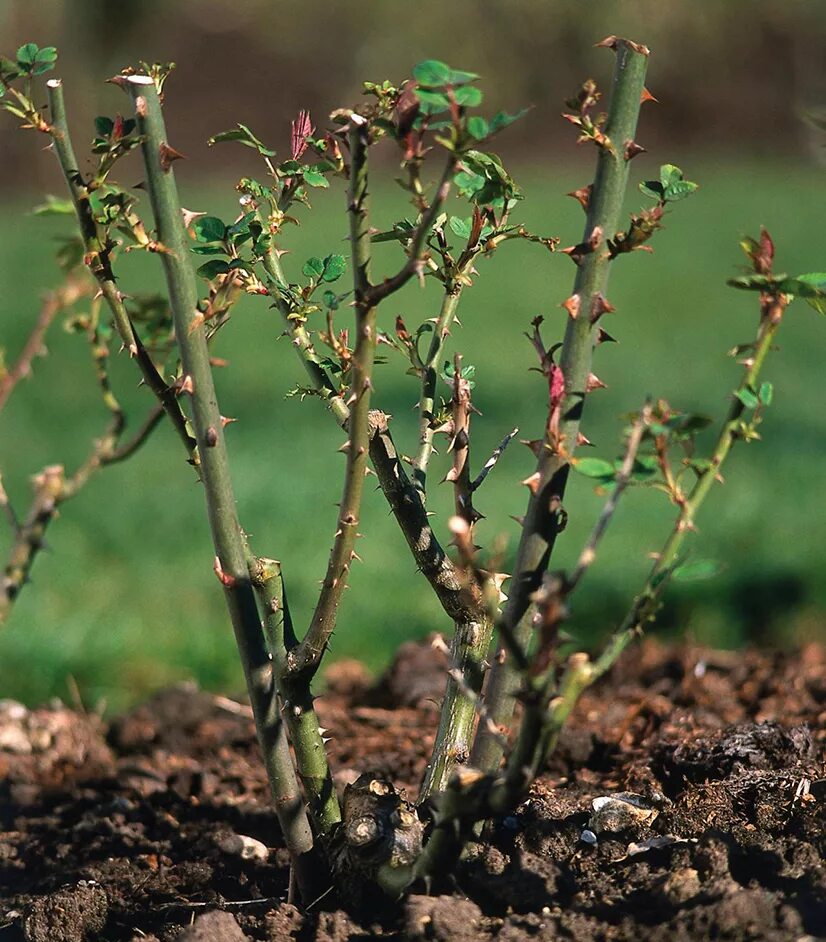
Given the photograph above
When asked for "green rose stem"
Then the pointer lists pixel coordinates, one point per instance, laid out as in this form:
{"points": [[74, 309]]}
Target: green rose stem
{"points": [[581, 673], [306, 658], [231, 553], [543, 517], [298, 710], [97, 259]]}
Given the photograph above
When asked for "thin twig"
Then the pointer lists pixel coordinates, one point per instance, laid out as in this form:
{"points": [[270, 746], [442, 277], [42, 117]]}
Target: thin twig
{"points": [[309, 653], [490, 464], [56, 301], [415, 262]]}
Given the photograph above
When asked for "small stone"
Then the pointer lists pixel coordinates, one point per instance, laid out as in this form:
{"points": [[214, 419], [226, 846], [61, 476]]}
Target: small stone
{"points": [[214, 927], [240, 845]]}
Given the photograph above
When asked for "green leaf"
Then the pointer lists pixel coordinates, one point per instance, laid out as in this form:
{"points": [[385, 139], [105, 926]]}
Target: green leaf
{"points": [[460, 226], [653, 188], [213, 268], [314, 177], [502, 119], [468, 96], [697, 571], [669, 173], [330, 299], [755, 282], [334, 268], [26, 55], [432, 102], [432, 73], [478, 127], [679, 190], [594, 468], [44, 60], [766, 393], [748, 397], [104, 126], [209, 248], [811, 287], [243, 135], [54, 207], [313, 268], [209, 229]]}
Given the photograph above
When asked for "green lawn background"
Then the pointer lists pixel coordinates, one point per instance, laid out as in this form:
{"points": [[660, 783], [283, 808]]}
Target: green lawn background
{"points": [[125, 600]]}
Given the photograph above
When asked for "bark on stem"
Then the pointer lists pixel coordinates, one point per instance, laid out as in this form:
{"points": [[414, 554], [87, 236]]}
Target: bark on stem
{"points": [[230, 547], [542, 519]]}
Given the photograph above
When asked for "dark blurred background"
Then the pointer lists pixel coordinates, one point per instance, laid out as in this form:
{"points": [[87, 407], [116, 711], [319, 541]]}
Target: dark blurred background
{"points": [[126, 601]]}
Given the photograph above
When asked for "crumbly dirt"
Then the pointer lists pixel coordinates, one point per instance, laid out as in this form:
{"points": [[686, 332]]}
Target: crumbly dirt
{"points": [[706, 769]]}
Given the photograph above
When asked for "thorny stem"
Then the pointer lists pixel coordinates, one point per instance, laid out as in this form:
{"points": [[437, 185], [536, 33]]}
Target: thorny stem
{"points": [[471, 796], [307, 656], [97, 259], [471, 637], [230, 546], [297, 706], [582, 673], [415, 262], [427, 396], [543, 517], [538, 729], [301, 339]]}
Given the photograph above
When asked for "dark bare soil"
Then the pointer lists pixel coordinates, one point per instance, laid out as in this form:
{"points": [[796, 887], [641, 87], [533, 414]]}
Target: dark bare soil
{"points": [[158, 826]]}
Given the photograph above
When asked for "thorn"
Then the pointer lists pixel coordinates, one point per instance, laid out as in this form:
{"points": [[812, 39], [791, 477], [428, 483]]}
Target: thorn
{"points": [[604, 337], [322, 730], [190, 216], [532, 483], [325, 740], [225, 421], [368, 471], [185, 385], [571, 305], [519, 520], [599, 306], [647, 96], [632, 149], [594, 382], [345, 446], [226, 580], [582, 195], [168, 155], [581, 440], [535, 445], [355, 555]]}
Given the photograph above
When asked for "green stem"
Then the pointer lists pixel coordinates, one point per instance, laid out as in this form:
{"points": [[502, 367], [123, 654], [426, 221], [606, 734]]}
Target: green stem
{"points": [[297, 702], [430, 375], [97, 259], [301, 339], [542, 521], [645, 604], [230, 547], [307, 656]]}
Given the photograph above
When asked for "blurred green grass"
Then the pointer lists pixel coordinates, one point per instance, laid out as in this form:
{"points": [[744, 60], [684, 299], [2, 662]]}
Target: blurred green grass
{"points": [[125, 601]]}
